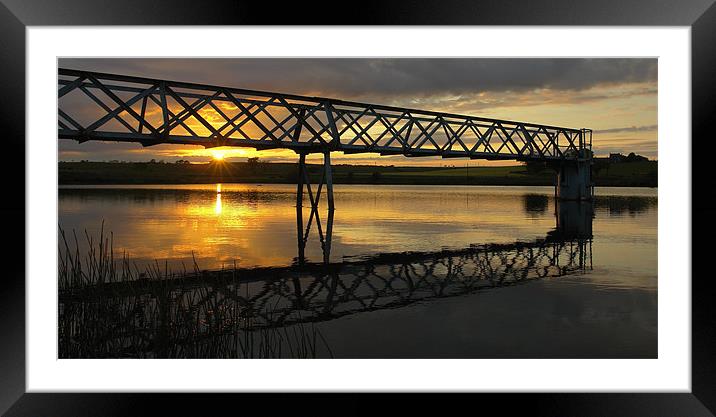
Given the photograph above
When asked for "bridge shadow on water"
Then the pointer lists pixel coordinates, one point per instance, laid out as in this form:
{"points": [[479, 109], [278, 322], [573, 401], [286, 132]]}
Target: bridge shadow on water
{"points": [[110, 310]]}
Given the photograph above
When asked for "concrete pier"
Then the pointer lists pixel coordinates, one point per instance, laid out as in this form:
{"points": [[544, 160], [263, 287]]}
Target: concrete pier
{"points": [[574, 181]]}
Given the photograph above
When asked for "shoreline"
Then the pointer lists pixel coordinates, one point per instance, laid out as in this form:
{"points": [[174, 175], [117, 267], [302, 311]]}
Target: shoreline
{"points": [[90, 186], [635, 174]]}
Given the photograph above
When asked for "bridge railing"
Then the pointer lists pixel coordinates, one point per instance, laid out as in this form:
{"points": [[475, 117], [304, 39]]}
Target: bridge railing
{"points": [[110, 107]]}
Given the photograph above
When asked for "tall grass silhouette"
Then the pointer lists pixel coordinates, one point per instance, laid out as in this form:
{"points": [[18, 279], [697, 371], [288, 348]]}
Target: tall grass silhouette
{"points": [[150, 316]]}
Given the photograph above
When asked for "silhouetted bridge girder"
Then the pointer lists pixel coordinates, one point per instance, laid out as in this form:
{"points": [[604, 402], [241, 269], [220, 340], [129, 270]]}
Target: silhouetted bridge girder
{"points": [[111, 107], [120, 108]]}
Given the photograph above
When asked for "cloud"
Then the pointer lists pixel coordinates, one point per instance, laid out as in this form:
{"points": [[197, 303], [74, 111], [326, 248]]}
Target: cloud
{"points": [[389, 77], [649, 128]]}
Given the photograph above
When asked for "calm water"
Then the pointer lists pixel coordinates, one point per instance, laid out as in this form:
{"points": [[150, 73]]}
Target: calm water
{"points": [[599, 300]]}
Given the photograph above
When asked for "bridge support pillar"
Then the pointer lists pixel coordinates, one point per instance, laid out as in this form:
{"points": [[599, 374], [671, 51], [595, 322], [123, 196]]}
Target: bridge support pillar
{"points": [[314, 199], [574, 181], [299, 208]]}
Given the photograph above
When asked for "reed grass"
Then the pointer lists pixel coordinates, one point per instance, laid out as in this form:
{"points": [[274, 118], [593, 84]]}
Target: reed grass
{"points": [[109, 307]]}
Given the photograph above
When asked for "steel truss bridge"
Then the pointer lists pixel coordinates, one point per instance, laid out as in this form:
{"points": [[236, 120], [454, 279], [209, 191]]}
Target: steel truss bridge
{"points": [[223, 313], [120, 108]]}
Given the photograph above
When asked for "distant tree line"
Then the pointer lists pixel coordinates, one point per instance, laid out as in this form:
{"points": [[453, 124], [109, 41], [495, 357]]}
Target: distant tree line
{"points": [[535, 167]]}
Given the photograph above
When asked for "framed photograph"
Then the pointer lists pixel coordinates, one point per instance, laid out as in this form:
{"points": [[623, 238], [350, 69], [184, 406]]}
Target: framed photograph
{"points": [[275, 210]]}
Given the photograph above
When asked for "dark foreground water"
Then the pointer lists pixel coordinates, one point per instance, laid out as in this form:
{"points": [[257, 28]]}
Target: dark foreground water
{"points": [[414, 272]]}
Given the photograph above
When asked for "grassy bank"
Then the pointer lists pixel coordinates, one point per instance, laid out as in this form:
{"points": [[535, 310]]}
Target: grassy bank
{"points": [[636, 174]]}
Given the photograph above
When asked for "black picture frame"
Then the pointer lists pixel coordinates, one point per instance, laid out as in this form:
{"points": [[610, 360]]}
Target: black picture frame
{"points": [[15, 15]]}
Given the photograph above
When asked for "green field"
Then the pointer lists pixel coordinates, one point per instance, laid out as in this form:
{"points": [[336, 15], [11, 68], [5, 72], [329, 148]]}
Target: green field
{"points": [[635, 174]]}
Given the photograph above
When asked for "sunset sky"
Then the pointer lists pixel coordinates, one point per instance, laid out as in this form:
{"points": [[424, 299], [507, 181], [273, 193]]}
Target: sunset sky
{"points": [[617, 98]]}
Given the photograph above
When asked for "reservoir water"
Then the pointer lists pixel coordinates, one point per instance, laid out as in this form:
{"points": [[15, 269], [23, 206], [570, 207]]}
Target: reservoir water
{"points": [[419, 271]]}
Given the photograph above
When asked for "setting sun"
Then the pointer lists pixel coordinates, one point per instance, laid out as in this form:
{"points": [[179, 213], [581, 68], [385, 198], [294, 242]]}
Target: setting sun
{"points": [[218, 155]]}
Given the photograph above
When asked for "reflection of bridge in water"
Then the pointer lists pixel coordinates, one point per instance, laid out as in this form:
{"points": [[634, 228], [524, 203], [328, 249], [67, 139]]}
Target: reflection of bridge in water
{"points": [[218, 311]]}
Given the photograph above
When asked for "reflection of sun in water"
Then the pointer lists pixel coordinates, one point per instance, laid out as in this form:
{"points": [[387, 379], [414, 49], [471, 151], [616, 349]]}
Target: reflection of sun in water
{"points": [[217, 207]]}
